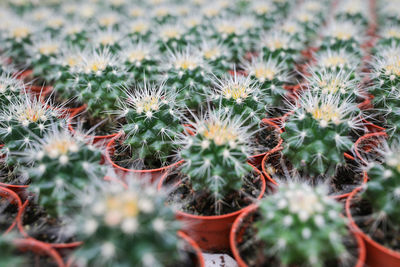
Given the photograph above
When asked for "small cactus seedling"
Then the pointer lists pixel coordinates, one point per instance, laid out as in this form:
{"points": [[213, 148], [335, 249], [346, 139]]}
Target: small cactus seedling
{"points": [[342, 35], [342, 83], [335, 60], [98, 80], [356, 11], [141, 60], [215, 157], [310, 17], [108, 20], [317, 133], [109, 39], [216, 55], [54, 24], [152, 124], [171, 36], [383, 188], [270, 76], [300, 212], [239, 95], [75, 33], [139, 29], [60, 165], [186, 72], [10, 88], [389, 35], [22, 121], [127, 227], [265, 11], [43, 52]]}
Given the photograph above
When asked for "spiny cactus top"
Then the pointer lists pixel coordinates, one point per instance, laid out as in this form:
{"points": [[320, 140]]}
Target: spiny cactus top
{"points": [[23, 120], [299, 212], [10, 88], [215, 157], [389, 35], [98, 81], [386, 76], [152, 123], [107, 39], [125, 227], [216, 55], [342, 34], [335, 60], [383, 188], [186, 72], [270, 75], [343, 83], [240, 96], [171, 36], [356, 11], [59, 165], [317, 133]]}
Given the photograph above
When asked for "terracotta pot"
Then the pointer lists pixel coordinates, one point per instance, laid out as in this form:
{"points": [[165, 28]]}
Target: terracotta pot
{"points": [[20, 190], [99, 140], [372, 128], [39, 248], [22, 231], [236, 235], [196, 249], [153, 175], [366, 104], [13, 199], [211, 233], [366, 143], [36, 90], [377, 255], [274, 183], [65, 112], [256, 159]]}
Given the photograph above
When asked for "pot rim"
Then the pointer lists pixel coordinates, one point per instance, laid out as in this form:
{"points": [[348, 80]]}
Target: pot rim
{"points": [[195, 247], [361, 138], [12, 197]]}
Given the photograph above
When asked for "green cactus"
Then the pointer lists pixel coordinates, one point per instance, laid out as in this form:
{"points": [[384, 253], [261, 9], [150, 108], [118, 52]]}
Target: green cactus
{"points": [[215, 157], [270, 76], [383, 190], [356, 11], [186, 72], [317, 133], [98, 81], [107, 39], [8, 253], [300, 212], [127, 227], [10, 88], [216, 55], [22, 121], [75, 34], [152, 124], [240, 96], [335, 61], [171, 37], [389, 36], [139, 29], [59, 165]]}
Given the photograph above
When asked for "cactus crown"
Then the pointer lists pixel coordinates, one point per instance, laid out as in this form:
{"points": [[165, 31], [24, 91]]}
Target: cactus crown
{"points": [[10, 88], [342, 33], [317, 133], [61, 162], [215, 157], [127, 226], [152, 123], [383, 189], [335, 60], [301, 212]]}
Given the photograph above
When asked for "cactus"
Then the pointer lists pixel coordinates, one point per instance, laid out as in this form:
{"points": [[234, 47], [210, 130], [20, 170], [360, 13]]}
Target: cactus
{"points": [[216, 55], [335, 61], [356, 11], [240, 96], [300, 212], [270, 76], [383, 190], [54, 24], [75, 33], [10, 88], [139, 29], [22, 121], [141, 60], [109, 39], [43, 52], [171, 37], [317, 133], [59, 165], [5, 65], [342, 34], [152, 124], [215, 157], [127, 227], [99, 76], [186, 72], [108, 20]]}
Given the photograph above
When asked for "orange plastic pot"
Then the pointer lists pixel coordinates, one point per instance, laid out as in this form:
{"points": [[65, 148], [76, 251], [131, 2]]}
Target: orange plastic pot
{"points": [[20, 190], [236, 236], [196, 249], [65, 112], [367, 103], [256, 159], [99, 140], [377, 255], [211, 233], [274, 183], [153, 175], [22, 231], [13, 199], [367, 143], [39, 248]]}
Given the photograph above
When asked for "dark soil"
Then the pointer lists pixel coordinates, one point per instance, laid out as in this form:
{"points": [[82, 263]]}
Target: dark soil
{"points": [[275, 112], [8, 212], [98, 126], [39, 225], [346, 179], [266, 139], [251, 250], [203, 203], [385, 234], [123, 157]]}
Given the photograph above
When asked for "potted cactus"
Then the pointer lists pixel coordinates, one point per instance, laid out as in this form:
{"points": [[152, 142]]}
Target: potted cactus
{"points": [[10, 88], [130, 225], [61, 162], [171, 37], [372, 209], [269, 232], [215, 181], [335, 60], [152, 123]]}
